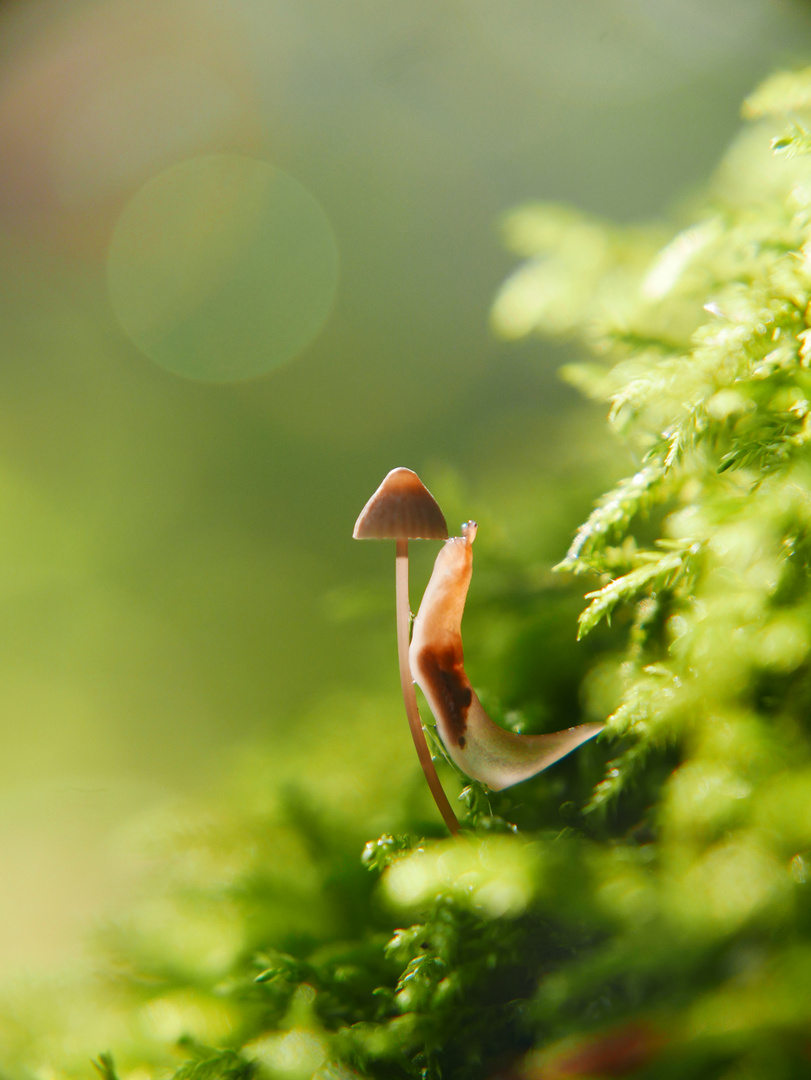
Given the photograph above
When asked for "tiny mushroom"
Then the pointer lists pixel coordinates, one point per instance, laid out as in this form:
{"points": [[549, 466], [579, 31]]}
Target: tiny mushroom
{"points": [[403, 509]]}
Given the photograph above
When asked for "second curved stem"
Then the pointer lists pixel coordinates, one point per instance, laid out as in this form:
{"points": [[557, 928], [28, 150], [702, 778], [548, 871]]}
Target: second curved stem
{"points": [[409, 695]]}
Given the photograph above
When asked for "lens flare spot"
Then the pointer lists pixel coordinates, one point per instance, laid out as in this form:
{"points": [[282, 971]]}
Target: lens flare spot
{"points": [[222, 268]]}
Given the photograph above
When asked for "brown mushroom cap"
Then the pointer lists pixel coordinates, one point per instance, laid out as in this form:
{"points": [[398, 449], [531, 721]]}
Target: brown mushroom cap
{"points": [[402, 508]]}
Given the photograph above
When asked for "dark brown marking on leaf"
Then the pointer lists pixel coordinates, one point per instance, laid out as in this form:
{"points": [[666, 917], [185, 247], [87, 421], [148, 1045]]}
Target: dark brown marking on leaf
{"points": [[446, 677], [461, 740]]}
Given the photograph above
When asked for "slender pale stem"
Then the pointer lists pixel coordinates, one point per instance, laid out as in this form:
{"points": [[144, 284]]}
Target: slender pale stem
{"points": [[409, 695]]}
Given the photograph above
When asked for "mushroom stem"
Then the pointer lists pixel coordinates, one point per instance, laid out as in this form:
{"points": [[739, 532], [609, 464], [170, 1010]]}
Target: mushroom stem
{"points": [[409, 694]]}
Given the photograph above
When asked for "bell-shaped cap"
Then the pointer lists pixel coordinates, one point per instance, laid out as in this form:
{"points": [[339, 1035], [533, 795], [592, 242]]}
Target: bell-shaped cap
{"points": [[402, 508]]}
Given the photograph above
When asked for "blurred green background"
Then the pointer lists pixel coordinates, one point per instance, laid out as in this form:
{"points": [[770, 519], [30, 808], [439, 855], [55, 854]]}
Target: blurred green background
{"points": [[177, 575]]}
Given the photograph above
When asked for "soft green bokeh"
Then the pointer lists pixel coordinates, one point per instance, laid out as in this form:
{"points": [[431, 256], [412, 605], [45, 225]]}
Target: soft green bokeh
{"points": [[177, 575]]}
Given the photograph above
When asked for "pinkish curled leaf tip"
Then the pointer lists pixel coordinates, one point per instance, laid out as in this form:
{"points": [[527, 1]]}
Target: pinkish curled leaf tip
{"points": [[402, 508]]}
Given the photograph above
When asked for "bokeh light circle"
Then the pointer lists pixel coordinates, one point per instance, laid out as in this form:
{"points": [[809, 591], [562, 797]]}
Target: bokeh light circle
{"points": [[222, 268]]}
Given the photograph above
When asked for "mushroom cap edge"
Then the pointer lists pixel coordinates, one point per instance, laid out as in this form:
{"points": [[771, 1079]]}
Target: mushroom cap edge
{"points": [[402, 508]]}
